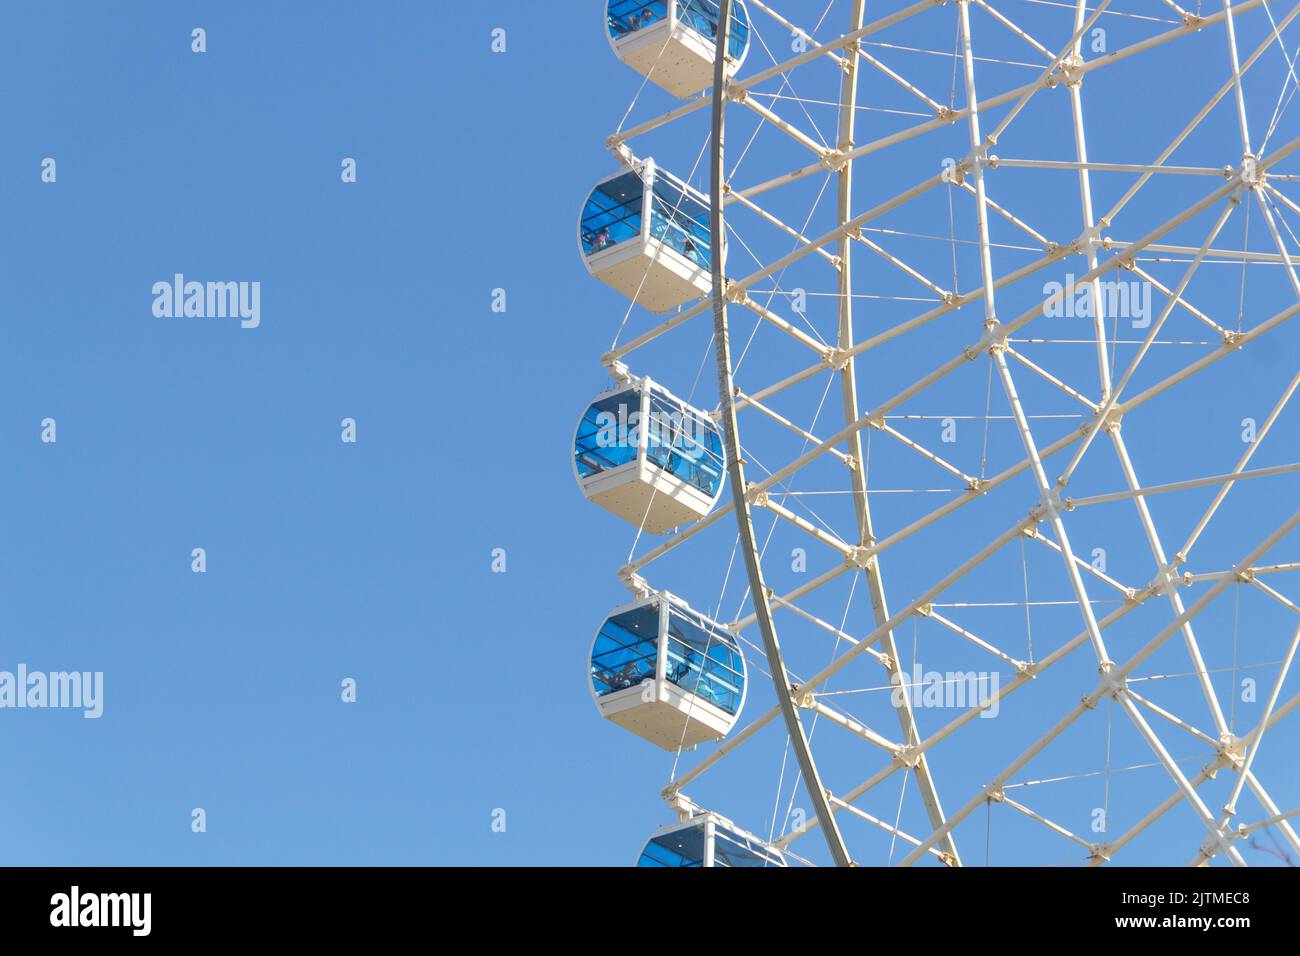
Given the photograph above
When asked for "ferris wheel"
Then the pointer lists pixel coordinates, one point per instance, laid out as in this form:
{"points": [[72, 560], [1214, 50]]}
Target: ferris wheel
{"points": [[951, 427]]}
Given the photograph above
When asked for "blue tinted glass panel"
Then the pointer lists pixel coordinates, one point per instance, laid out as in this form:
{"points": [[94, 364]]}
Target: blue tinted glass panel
{"points": [[704, 660], [680, 221], [628, 16], [683, 847], [625, 650], [612, 213], [702, 16], [684, 444], [608, 435], [735, 849]]}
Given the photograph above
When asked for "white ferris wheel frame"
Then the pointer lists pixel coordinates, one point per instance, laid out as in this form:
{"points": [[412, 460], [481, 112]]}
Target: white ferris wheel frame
{"points": [[1067, 67]]}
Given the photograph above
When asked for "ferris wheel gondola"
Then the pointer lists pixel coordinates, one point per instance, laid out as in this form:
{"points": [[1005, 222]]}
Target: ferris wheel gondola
{"points": [[707, 840], [667, 673], [672, 42], [645, 233], [642, 453]]}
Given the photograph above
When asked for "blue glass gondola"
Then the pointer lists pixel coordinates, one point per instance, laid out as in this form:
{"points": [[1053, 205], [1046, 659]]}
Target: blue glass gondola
{"points": [[646, 233], [672, 42], [667, 673], [707, 840], [650, 458]]}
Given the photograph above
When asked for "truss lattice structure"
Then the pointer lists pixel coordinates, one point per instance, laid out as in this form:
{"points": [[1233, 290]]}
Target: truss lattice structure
{"points": [[1006, 312]]}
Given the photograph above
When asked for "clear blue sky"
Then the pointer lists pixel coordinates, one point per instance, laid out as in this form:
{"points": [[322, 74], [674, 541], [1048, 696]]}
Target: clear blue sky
{"points": [[371, 560]]}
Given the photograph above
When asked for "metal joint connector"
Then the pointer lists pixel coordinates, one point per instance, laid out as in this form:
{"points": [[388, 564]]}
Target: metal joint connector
{"points": [[836, 359], [907, 757], [634, 582], [1072, 70], [860, 557], [834, 160], [1113, 421], [617, 369]]}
